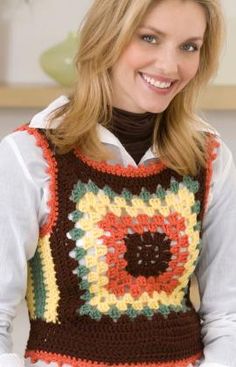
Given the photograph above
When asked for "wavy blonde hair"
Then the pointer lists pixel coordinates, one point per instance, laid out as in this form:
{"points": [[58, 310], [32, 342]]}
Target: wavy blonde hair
{"points": [[107, 29]]}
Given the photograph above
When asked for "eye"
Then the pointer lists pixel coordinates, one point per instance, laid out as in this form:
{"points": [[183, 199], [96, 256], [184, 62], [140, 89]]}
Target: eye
{"points": [[190, 47], [149, 38]]}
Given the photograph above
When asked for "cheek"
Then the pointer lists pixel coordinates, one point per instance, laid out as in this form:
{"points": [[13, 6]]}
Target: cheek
{"points": [[132, 59], [190, 69]]}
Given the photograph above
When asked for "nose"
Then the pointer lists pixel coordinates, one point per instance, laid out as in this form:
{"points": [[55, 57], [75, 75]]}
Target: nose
{"points": [[167, 60]]}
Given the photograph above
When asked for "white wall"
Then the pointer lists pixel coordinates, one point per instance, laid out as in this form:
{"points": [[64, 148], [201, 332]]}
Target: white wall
{"points": [[226, 73], [28, 30]]}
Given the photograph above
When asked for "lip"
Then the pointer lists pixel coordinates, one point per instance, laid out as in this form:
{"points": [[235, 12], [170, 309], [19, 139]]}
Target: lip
{"points": [[159, 78], [159, 91]]}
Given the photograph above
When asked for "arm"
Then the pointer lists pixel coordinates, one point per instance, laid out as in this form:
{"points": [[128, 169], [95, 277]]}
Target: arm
{"points": [[19, 223], [216, 270]]}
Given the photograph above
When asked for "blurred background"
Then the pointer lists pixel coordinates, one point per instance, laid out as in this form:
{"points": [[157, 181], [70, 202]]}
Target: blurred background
{"points": [[34, 33]]}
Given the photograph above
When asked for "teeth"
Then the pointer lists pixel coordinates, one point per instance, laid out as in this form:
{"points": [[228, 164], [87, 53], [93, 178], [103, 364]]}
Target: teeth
{"points": [[156, 83]]}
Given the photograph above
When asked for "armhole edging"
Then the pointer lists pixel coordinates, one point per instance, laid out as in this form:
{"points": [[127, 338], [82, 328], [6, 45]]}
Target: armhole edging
{"points": [[52, 171], [211, 151]]}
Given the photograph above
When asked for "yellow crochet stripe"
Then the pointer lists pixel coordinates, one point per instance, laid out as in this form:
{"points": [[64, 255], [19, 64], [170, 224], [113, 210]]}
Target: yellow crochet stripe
{"points": [[183, 206], [30, 294], [52, 291], [96, 206]]}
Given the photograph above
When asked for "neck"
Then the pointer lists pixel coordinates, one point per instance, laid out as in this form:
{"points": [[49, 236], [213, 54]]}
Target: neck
{"points": [[134, 130]]}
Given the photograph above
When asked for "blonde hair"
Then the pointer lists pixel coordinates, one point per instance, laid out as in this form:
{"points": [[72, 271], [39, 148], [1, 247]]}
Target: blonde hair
{"points": [[107, 29]]}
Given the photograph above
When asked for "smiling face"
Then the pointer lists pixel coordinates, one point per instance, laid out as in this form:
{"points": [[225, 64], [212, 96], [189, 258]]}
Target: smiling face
{"points": [[162, 57]]}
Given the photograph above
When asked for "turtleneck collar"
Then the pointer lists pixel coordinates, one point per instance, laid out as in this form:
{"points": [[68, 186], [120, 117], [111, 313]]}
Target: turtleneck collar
{"points": [[134, 130]]}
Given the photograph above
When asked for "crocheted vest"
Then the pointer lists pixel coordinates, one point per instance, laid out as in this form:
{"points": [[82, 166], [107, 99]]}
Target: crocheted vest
{"points": [[109, 282]]}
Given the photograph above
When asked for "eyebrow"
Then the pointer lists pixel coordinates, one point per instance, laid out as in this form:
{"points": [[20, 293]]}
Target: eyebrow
{"points": [[157, 31]]}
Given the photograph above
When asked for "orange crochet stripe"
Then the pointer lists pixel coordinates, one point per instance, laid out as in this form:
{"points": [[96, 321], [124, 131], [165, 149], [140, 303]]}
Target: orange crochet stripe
{"points": [[61, 359], [212, 144], [119, 278], [117, 169], [52, 171]]}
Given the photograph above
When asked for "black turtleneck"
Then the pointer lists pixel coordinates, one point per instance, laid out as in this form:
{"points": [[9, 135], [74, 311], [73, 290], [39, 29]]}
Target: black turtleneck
{"points": [[134, 130]]}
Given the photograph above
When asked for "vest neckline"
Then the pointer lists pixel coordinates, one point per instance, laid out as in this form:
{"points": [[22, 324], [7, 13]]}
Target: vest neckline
{"points": [[119, 170]]}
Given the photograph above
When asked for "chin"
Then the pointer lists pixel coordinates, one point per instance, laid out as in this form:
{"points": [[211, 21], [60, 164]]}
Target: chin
{"points": [[157, 109]]}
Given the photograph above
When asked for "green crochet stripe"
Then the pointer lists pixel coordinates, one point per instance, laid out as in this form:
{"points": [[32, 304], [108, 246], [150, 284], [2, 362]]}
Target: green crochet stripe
{"points": [[109, 192], [115, 314], [196, 208], [80, 253], [145, 195], [92, 187], [76, 233], [192, 186], [38, 285], [81, 188], [75, 216], [82, 270], [174, 186], [160, 192], [198, 226], [78, 192]]}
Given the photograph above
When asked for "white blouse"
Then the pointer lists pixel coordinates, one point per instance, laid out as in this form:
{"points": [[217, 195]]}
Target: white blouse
{"points": [[24, 192]]}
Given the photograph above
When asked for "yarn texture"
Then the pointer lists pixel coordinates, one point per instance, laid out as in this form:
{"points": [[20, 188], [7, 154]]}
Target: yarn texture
{"points": [[109, 282]]}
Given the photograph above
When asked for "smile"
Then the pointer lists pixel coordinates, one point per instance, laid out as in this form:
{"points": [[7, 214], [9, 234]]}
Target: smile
{"points": [[156, 83]]}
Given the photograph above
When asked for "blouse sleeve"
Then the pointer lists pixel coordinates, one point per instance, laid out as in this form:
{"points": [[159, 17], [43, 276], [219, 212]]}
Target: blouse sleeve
{"points": [[21, 197], [216, 269]]}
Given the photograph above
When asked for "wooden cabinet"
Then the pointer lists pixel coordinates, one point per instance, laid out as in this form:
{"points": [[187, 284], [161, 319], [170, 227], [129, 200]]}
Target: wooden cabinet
{"points": [[29, 96], [216, 97]]}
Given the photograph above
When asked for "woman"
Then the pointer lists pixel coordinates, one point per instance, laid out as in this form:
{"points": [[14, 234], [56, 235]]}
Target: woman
{"points": [[122, 194]]}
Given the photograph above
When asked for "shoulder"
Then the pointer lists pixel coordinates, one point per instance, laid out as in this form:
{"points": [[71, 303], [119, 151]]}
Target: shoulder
{"points": [[204, 126], [26, 170], [223, 164], [221, 158], [23, 143], [20, 150], [221, 150], [223, 154], [221, 167], [27, 145]]}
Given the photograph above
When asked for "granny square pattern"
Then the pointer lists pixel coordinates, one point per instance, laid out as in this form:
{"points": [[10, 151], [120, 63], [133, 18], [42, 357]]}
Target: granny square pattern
{"points": [[135, 253]]}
